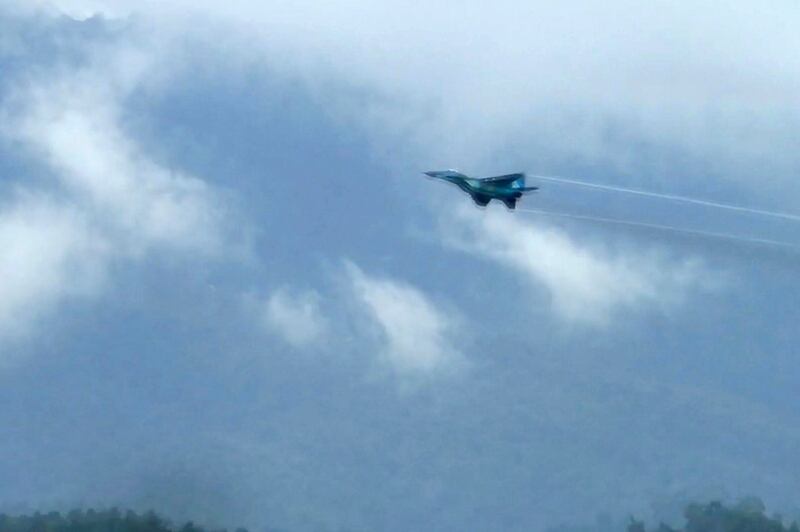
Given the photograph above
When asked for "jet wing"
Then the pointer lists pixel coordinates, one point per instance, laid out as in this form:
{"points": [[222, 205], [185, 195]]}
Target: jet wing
{"points": [[502, 179]]}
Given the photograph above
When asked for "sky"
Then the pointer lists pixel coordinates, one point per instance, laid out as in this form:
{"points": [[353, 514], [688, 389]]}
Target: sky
{"points": [[228, 293]]}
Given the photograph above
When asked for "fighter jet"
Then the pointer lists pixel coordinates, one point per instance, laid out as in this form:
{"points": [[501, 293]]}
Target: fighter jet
{"points": [[506, 188]]}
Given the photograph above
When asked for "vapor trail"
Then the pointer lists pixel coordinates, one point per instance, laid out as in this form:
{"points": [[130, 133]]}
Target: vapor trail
{"points": [[671, 197], [660, 227]]}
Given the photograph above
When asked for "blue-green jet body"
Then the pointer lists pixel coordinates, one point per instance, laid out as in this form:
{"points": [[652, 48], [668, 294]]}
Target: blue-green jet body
{"points": [[506, 188]]}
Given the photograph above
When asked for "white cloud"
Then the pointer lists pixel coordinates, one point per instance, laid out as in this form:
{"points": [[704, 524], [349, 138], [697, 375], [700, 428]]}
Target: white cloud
{"points": [[586, 284], [296, 317], [73, 121], [47, 252], [417, 336], [108, 190], [564, 80]]}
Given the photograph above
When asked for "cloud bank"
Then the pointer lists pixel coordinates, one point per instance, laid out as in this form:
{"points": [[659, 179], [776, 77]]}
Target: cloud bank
{"points": [[49, 252], [539, 87], [570, 81], [295, 317], [418, 337], [106, 200], [586, 284]]}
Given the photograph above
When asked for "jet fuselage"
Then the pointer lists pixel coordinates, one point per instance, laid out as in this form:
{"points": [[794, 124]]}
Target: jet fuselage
{"points": [[508, 188]]}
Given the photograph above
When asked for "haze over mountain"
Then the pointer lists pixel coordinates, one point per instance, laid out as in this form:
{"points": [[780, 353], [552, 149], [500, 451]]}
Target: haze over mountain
{"points": [[228, 293]]}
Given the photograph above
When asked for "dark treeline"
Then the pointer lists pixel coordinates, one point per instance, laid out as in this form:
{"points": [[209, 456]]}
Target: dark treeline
{"points": [[747, 516], [112, 520]]}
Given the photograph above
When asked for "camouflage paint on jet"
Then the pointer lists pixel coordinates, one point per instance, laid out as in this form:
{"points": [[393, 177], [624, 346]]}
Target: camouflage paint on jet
{"points": [[506, 188]]}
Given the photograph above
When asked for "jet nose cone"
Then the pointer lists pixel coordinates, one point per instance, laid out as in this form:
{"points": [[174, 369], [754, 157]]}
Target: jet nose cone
{"points": [[430, 174]]}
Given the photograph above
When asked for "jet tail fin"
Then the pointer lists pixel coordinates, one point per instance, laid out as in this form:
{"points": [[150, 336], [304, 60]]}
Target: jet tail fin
{"points": [[511, 203]]}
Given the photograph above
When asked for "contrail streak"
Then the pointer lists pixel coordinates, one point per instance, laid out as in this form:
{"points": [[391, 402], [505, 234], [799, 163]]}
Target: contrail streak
{"points": [[660, 227], [671, 197]]}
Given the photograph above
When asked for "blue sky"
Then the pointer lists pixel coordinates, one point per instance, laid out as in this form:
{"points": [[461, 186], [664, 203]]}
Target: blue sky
{"points": [[228, 292]]}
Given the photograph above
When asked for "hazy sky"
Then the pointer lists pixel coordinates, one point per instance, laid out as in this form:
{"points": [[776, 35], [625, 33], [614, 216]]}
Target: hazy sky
{"points": [[227, 292]]}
